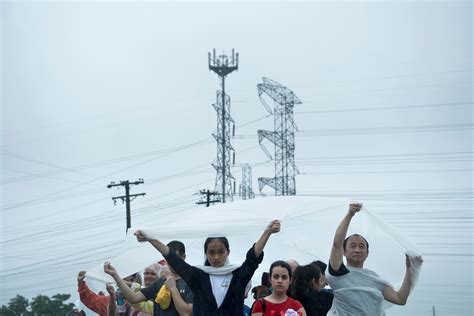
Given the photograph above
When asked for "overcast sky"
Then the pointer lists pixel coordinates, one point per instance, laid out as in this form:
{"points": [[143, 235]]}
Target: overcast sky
{"points": [[94, 92]]}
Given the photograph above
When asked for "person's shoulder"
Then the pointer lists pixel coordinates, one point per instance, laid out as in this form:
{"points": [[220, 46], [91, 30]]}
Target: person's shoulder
{"points": [[326, 292], [259, 305], [340, 272], [294, 303]]}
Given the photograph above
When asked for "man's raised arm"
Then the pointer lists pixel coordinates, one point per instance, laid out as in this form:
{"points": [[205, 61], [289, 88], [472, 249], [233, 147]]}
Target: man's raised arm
{"points": [[337, 250]]}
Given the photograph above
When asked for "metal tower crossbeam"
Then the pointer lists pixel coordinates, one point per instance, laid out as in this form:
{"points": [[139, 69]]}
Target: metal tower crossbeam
{"points": [[283, 137], [279, 93]]}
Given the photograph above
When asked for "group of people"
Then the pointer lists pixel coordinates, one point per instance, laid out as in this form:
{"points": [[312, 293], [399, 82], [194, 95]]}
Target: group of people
{"points": [[219, 289]]}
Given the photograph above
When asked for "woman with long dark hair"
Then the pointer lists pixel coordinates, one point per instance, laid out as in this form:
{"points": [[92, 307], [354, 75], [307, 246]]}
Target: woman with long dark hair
{"points": [[306, 288], [218, 287]]}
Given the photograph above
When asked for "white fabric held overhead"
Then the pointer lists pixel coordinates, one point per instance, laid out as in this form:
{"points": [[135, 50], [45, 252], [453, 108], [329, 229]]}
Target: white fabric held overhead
{"points": [[308, 226]]}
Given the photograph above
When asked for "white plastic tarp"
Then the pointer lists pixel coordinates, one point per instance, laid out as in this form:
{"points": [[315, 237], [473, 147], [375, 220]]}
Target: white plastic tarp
{"points": [[308, 226]]}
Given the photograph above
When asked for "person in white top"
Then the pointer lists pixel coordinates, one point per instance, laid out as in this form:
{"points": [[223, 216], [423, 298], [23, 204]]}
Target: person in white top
{"points": [[359, 291]]}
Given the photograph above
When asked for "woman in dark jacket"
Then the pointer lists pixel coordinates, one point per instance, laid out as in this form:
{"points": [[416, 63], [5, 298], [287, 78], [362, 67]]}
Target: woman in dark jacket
{"points": [[218, 288]]}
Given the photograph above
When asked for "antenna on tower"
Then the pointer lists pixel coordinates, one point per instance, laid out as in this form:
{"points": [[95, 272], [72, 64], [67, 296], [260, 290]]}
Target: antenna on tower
{"points": [[283, 136], [222, 66]]}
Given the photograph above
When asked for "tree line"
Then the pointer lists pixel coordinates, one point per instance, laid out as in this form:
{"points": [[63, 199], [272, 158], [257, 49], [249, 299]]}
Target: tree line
{"points": [[38, 306]]}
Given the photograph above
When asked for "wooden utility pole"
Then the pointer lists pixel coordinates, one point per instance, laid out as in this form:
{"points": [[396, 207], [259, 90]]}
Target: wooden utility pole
{"points": [[208, 195], [126, 198]]}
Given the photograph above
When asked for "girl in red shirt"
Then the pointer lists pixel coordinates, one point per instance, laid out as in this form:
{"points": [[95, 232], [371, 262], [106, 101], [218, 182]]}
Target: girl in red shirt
{"points": [[278, 303]]}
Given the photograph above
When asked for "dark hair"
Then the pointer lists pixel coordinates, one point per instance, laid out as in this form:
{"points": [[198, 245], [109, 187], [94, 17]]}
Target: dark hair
{"points": [[280, 263], [355, 235], [321, 265], [260, 291], [266, 279], [177, 246], [300, 288], [137, 278], [209, 239]]}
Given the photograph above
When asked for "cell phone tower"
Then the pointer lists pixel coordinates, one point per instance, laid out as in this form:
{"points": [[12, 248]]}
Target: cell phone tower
{"points": [[283, 136], [223, 65], [246, 191]]}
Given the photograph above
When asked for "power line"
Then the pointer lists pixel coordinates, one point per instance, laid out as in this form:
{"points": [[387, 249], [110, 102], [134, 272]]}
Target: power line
{"points": [[29, 202], [402, 107], [32, 175], [391, 155], [375, 130], [379, 159], [387, 171], [394, 90], [69, 247], [387, 129], [190, 172], [156, 154], [202, 168], [378, 78], [92, 221]]}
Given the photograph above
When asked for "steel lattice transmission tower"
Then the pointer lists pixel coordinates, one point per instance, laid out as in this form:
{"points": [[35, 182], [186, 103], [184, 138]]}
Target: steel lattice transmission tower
{"points": [[283, 136], [223, 65], [246, 192]]}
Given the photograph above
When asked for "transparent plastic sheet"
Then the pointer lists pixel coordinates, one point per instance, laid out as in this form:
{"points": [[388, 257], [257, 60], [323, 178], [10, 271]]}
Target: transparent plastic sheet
{"points": [[308, 226], [411, 250]]}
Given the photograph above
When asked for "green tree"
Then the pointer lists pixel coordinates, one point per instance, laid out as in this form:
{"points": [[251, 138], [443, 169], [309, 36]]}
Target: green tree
{"points": [[58, 303], [41, 305], [16, 307]]}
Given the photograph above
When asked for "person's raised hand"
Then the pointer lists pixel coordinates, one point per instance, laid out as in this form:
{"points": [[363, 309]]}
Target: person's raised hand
{"points": [[81, 276], [109, 269], [170, 282], [141, 236], [354, 208], [110, 289], [274, 226], [418, 260]]}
